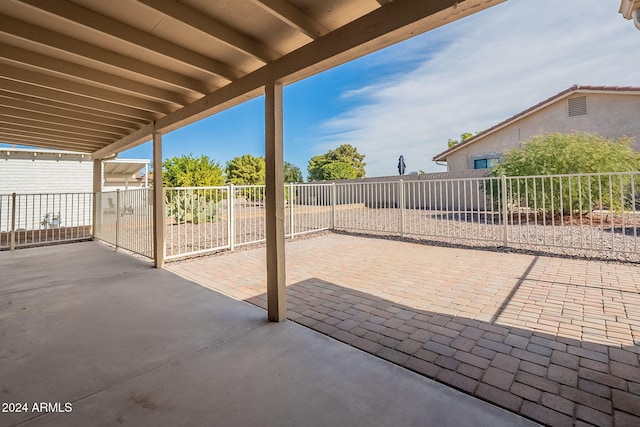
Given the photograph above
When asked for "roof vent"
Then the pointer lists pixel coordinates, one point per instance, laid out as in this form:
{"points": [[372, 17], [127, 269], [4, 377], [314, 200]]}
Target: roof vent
{"points": [[577, 106]]}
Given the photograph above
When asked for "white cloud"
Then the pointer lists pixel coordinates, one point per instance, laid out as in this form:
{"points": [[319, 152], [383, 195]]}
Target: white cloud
{"points": [[484, 69]]}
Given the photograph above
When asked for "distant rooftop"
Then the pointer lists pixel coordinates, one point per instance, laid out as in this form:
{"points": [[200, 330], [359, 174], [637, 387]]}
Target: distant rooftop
{"points": [[628, 90]]}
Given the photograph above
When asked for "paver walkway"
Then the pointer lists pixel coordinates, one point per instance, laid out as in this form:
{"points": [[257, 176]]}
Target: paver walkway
{"points": [[556, 340]]}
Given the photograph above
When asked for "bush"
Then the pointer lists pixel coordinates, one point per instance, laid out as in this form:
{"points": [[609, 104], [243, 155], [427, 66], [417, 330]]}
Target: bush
{"points": [[566, 154]]}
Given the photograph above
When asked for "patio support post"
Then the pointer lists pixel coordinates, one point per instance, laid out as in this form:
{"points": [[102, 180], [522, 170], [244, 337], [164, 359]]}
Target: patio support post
{"points": [[158, 203], [97, 196], [276, 280]]}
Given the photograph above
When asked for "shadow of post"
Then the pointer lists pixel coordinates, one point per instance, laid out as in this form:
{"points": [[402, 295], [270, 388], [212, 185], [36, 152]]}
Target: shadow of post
{"points": [[551, 379]]}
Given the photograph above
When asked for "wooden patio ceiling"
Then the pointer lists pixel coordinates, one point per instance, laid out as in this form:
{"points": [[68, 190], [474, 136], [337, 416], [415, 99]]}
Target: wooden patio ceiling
{"points": [[101, 76]]}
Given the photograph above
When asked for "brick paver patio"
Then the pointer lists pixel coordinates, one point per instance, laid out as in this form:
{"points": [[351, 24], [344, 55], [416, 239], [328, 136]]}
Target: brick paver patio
{"points": [[556, 340]]}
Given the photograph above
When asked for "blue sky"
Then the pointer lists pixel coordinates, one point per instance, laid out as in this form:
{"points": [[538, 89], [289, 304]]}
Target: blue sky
{"points": [[308, 106], [411, 98]]}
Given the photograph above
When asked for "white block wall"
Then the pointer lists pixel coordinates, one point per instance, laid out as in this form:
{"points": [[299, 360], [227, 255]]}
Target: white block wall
{"points": [[26, 176], [18, 175]]}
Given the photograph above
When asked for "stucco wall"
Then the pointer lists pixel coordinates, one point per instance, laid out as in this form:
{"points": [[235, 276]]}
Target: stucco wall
{"points": [[440, 190], [609, 115]]}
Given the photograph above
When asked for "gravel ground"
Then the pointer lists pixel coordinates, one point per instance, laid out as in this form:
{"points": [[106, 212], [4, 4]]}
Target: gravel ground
{"points": [[610, 239]]}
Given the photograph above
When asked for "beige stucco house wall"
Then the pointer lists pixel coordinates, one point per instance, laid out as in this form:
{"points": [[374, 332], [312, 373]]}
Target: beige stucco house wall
{"points": [[609, 111]]}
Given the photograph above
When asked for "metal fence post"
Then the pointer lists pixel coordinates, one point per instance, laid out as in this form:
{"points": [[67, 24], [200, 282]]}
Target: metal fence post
{"points": [[117, 218], [291, 213], [150, 194], [334, 203], [97, 214], [505, 232], [231, 216], [401, 204], [12, 244]]}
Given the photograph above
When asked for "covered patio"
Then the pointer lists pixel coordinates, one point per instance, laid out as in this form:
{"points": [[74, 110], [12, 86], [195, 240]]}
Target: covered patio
{"points": [[100, 77], [126, 344], [554, 339], [93, 337]]}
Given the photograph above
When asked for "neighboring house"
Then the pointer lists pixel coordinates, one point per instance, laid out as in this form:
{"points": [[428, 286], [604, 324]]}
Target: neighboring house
{"points": [[31, 171], [54, 188], [610, 111]]}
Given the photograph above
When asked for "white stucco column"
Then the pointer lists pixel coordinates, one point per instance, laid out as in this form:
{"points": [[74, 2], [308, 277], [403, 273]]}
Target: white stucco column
{"points": [[97, 197], [158, 203], [276, 280]]}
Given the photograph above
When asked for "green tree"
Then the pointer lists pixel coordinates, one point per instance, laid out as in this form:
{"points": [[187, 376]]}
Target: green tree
{"points": [[343, 155], [337, 170], [246, 170], [292, 173], [190, 171], [454, 142], [563, 154]]}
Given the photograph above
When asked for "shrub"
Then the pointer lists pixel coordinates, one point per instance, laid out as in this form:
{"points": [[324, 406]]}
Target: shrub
{"points": [[568, 154]]}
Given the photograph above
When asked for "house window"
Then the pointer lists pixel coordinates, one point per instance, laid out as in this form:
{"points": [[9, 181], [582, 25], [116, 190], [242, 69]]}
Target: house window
{"points": [[577, 106], [485, 163]]}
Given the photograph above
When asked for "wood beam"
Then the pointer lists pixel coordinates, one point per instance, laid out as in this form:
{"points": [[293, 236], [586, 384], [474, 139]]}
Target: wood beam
{"points": [[11, 127], [396, 21], [104, 57], [294, 17], [46, 121], [64, 85], [48, 143], [143, 134], [60, 115], [51, 106], [372, 32], [14, 86], [91, 76], [233, 39], [274, 203], [7, 131], [97, 22]]}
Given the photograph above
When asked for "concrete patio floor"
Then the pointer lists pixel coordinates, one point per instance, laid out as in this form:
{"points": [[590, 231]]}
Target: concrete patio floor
{"points": [[556, 340], [125, 344]]}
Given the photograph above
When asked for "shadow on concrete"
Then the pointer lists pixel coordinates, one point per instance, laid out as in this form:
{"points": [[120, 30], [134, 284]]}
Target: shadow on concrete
{"points": [[551, 379], [126, 344]]}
